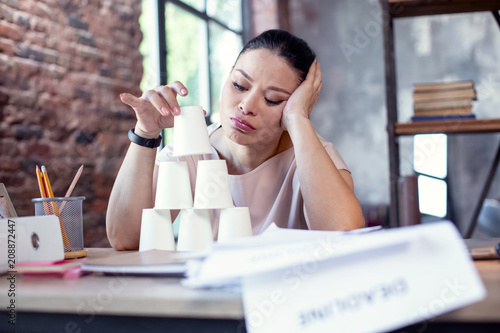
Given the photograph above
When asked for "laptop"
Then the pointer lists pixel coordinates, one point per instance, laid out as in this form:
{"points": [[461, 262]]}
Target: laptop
{"points": [[28, 239]]}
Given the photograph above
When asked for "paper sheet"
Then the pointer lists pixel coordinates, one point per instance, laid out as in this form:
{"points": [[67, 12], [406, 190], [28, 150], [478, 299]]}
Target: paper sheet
{"points": [[329, 281]]}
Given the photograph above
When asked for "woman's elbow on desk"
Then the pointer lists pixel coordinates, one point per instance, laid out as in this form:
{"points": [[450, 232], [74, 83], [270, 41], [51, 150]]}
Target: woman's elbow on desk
{"points": [[119, 240], [357, 223], [120, 245]]}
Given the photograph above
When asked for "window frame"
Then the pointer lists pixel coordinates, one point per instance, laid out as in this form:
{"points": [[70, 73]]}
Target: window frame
{"points": [[244, 34]]}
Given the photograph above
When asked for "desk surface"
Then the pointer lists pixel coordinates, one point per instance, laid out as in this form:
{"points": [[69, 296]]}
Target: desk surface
{"points": [[123, 295], [165, 297]]}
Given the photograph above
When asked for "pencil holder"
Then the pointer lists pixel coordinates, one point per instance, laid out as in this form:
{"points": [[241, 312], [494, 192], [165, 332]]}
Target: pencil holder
{"points": [[69, 212]]}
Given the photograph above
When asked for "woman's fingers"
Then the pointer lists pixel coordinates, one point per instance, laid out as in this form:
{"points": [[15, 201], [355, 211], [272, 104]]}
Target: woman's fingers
{"points": [[319, 76], [178, 87], [170, 92], [155, 98], [165, 100], [161, 98], [129, 99]]}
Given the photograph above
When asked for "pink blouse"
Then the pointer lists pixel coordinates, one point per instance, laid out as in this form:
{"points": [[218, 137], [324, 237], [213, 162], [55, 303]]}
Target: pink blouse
{"points": [[271, 191]]}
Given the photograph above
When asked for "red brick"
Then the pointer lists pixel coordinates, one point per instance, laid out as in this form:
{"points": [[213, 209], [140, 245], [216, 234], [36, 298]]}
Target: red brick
{"points": [[6, 47], [9, 30], [9, 163], [43, 10], [101, 205], [26, 67], [38, 24], [6, 13]]}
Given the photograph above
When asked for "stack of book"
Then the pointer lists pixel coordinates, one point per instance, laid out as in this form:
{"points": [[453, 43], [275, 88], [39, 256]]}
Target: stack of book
{"points": [[443, 101]]}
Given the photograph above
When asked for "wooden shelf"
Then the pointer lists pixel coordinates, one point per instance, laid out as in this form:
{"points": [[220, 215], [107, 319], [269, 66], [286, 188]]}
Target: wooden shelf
{"points": [[409, 8], [391, 10], [465, 126]]}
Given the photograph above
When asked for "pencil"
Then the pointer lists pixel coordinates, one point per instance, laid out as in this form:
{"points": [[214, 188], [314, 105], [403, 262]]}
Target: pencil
{"points": [[40, 182], [48, 188], [45, 178], [72, 186], [41, 185]]}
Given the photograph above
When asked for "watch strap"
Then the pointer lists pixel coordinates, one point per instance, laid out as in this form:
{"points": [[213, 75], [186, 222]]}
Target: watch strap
{"points": [[150, 143]]}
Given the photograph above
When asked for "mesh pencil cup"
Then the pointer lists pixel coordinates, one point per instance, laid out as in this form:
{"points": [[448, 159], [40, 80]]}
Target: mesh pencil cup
{"points": [[69, 212]]}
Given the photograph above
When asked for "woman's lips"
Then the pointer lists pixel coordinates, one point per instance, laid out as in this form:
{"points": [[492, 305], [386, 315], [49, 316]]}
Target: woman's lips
{"points": [[242, 124]]}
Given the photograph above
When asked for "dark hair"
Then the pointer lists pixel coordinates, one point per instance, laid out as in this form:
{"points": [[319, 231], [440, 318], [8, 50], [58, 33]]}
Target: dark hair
{"points": [[292, 49]]}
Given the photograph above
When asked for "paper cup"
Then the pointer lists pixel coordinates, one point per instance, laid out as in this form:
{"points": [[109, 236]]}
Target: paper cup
{"points": [[195, 230], [212, 189], [233, 223], [173, 190], [156, 230], [190, 132]]}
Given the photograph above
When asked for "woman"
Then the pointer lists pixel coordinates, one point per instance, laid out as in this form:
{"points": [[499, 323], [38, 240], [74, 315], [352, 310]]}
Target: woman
{"points": [[279, 167]]}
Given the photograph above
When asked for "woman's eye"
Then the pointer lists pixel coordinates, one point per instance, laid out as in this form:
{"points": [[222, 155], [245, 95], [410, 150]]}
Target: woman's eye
{"points": [[239, 86], [273, 102]]}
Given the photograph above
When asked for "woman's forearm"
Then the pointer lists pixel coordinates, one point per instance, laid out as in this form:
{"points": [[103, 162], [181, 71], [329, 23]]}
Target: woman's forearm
{"points": [[328, 195], [131, 193]]}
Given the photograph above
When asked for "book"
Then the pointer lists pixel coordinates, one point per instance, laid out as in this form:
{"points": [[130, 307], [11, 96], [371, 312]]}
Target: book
{"points": [[424, 87], [65, 269], [443, 104], [481, 249], [468, 93], [442, 117], [444, 111], [151, 262]]}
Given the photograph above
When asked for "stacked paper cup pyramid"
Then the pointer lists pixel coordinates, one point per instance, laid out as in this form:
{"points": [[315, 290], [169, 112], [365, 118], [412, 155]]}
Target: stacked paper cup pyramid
{"points": [[212, 191]]}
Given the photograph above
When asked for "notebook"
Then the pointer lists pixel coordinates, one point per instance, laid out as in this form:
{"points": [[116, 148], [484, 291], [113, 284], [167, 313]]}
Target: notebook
{"points": [[151, 262]]}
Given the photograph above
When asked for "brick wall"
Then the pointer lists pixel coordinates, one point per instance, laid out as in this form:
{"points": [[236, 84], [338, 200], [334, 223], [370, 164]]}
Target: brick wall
{"points": [[63, 64], [264, 15]]}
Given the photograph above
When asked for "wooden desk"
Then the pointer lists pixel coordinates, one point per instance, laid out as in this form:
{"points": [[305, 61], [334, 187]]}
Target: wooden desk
{"points": [[95, 303]]}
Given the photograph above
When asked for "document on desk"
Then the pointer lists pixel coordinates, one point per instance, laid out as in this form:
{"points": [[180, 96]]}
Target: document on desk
{"points": [[345, 282]]}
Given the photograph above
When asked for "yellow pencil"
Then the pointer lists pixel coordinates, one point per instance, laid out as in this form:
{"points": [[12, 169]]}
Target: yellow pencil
{"points": [[42, 189], [45, 178]]}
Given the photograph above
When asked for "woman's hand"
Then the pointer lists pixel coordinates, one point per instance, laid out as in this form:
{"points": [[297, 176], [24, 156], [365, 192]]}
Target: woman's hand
{"points": [[156, 108], [302, 100]]}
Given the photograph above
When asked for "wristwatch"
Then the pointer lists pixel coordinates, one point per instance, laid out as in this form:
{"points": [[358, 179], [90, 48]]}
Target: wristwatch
{"points": [[150, 143]]}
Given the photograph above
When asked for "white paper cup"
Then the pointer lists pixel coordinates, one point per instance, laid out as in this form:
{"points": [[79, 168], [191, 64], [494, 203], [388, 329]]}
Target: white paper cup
{"points": [[173, 190], [190, 132], [234, 222], [156, 230], [212, 189], [195, 230]]}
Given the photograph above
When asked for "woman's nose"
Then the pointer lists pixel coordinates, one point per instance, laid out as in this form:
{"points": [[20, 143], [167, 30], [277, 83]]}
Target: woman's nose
{"points": [[248, 105]]}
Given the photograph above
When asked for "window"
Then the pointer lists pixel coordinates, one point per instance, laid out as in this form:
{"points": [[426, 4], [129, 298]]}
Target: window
{"points": [[194, 42], [430, 162], [202, 39]]}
